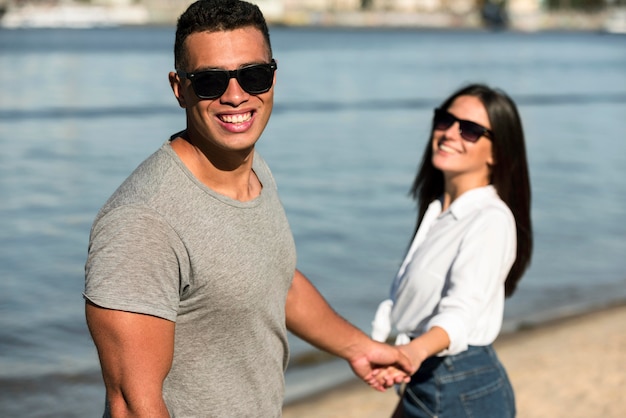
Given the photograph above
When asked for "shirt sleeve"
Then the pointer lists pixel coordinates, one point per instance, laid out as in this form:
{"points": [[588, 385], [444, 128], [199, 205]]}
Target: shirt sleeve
{"points": [[133, 263], [476, 277]]}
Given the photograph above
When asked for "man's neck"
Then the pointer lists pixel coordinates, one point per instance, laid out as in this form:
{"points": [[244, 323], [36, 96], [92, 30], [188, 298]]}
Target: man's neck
{"points": [[227, 173]]}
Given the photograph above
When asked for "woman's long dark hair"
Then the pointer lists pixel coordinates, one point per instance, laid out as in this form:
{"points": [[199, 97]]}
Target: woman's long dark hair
{"points": [[509, 174]]}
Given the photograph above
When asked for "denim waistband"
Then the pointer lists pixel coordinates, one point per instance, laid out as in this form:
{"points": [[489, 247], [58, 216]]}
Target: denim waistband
{"points": [[431, 363]]}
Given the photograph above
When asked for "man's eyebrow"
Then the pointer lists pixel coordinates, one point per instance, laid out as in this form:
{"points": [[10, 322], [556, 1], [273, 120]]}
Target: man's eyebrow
{"points": [[246, 64]]}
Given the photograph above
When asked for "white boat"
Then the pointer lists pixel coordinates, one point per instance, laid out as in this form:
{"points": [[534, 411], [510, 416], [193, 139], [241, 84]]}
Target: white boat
{"points": [[615, 21]]}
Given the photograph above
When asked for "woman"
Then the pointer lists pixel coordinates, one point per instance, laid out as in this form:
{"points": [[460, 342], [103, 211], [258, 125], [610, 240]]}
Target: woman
{"points": [[472, 243]]}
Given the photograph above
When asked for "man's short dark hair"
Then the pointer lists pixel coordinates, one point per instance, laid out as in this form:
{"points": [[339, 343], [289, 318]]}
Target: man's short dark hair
{"points": [[214, 16]]}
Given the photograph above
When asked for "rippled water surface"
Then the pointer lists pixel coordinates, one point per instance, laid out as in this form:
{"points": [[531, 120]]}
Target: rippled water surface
{"points": [[80, 109]]}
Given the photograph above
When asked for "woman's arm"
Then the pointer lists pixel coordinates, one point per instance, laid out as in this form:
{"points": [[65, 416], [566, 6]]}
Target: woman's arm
{"points": [[426, 345], [473, 295]]}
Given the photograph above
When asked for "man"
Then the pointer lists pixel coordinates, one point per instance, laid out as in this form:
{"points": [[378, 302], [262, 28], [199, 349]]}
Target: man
{"points": [[191, 281]]}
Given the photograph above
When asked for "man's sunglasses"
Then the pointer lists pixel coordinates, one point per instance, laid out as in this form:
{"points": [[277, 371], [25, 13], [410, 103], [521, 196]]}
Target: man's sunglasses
{"points": [[470, 131], [211, 84]]}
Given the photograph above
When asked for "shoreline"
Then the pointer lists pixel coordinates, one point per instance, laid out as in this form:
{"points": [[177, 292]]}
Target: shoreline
{"points": [[314, 372], [563, 367], [78, 15]]}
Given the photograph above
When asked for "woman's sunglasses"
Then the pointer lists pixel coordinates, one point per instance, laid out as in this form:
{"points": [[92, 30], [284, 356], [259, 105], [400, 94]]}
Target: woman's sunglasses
{"points": [[470, 131], [211, 84]]}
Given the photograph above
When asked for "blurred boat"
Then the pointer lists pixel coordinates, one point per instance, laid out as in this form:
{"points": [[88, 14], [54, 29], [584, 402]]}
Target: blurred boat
{"points": [[494, 15], [615, 21]]}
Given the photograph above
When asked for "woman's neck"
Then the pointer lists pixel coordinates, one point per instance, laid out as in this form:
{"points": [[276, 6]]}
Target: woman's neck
{"points": [[455, 187]]}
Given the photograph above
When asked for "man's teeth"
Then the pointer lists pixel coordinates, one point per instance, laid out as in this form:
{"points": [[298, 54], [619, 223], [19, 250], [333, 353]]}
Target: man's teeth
{"points": [[240, 118]]}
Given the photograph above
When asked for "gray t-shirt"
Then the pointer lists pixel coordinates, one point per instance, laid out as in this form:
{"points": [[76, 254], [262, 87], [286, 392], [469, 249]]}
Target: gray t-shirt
{"points": [[166, 245]]}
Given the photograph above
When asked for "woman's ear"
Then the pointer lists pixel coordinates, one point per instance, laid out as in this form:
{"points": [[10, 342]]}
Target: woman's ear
{"points": [[177, 89], [491, 162]]}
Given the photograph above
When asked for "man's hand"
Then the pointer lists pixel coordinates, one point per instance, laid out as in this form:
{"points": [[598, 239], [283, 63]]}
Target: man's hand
{"points": [[374, 358]]}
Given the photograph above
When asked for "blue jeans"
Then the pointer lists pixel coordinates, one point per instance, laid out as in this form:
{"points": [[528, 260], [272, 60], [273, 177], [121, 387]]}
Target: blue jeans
{"points": [[470, 384]]}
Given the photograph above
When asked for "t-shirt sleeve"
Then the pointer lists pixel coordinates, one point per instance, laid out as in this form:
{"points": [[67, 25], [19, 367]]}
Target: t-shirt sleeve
{"points": [[134, 263]]}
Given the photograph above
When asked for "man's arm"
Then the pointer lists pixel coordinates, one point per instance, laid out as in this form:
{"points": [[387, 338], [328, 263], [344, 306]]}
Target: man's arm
{"points": [[311, 318], [136, 354]]}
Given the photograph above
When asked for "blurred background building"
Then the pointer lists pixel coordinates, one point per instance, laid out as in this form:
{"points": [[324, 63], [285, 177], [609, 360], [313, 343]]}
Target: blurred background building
{"points": [[527, 15]]}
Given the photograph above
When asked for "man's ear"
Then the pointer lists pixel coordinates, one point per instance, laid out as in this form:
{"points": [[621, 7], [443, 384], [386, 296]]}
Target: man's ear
{"points": [[274, 83], [177, 89]]}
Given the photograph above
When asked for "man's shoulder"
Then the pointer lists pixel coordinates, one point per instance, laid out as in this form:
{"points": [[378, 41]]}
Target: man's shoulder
{"points": [[143, 184]]}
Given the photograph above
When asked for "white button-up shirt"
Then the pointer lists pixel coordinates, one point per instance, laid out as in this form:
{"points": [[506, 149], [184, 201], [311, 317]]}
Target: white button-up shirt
{"points": [[454, 272]]}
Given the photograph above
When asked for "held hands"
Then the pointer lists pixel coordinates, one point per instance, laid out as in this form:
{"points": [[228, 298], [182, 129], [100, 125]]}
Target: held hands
{"points": [[381, 365], [419, 349], [387, 377]]}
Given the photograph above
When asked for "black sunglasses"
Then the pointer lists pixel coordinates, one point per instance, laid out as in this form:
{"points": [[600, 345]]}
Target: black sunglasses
{"points": [[470, 131], [211, 84]]}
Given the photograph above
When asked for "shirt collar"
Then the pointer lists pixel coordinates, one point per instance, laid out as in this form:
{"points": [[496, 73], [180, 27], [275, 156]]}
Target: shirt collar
{"points": [[472, 200]]}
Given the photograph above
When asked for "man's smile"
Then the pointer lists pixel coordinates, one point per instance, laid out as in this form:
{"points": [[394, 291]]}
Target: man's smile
{"points": [[237, 118]]}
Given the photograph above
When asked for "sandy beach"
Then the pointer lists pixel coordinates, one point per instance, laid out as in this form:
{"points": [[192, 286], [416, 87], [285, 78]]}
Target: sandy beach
{"points": [[573, 367]]}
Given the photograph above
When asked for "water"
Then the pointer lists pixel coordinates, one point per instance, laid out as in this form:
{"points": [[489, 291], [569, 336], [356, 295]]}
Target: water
{"points": [[80, 109]]}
